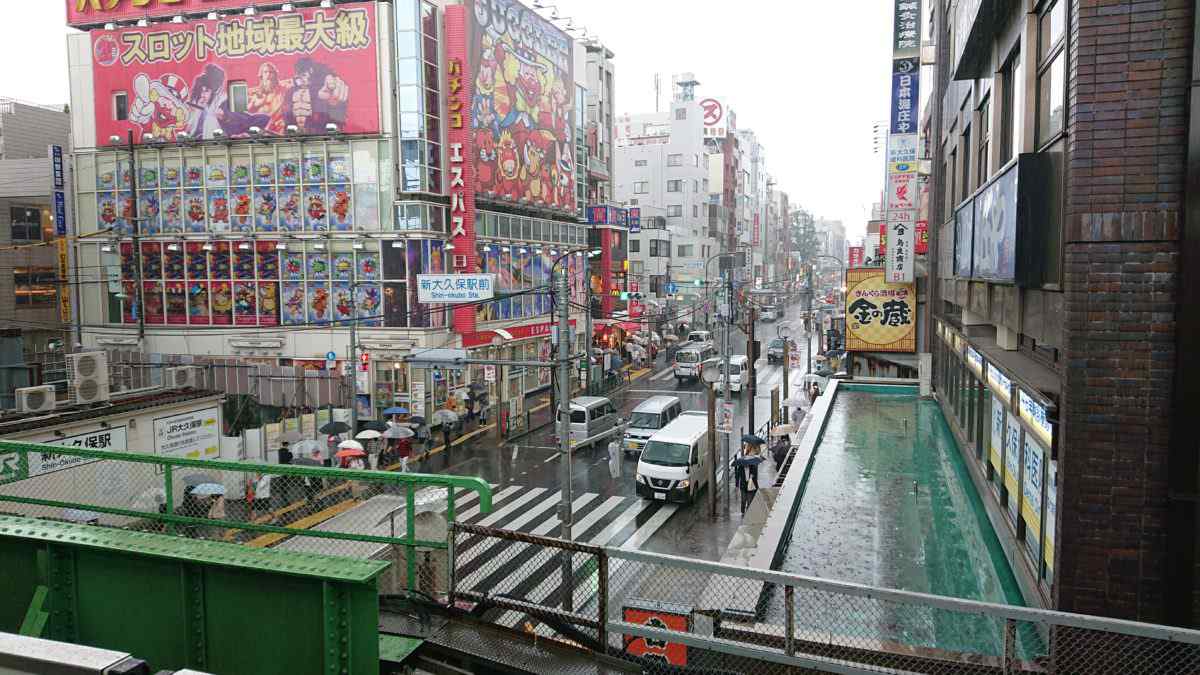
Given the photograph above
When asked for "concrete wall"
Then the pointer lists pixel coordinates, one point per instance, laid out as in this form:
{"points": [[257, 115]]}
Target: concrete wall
{"points": [[26, 130]]}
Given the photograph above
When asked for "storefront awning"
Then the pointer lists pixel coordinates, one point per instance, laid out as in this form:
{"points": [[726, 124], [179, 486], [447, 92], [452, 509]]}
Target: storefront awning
{"points": [[630, 325]]}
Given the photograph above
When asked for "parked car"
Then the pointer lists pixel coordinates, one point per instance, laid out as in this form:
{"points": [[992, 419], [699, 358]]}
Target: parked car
{"points": [[674, 463], [648, 417], [698, 336], [593, 418], [739, 373], [689, 361]]}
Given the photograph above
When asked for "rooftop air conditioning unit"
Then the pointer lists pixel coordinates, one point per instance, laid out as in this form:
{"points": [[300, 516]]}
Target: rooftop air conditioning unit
{"points": [[183, 377], [36, 399], [89, 376]]}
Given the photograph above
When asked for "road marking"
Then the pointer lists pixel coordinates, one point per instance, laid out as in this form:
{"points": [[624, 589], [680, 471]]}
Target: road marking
{"points": [[517, 503], [515, 548], [551, 458], [499, 496], [662, 374], [670, 392]]}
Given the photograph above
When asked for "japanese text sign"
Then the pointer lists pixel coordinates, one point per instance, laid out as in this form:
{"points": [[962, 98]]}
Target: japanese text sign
{"points": [[905, 95], [855, 256], [901, 229], [463, 178], [455, 287], [906, 33], [97, 12], [1033, 413], [880, 317], [308, 67]]}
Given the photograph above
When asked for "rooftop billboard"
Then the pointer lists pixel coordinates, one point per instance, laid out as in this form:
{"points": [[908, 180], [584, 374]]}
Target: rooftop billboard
{"points": [[84, 13], [521, 112], [307, 67]]}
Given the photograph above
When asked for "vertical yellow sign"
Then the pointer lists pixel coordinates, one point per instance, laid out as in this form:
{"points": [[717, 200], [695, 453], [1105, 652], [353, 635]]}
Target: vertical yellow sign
{"points": [[64, 284]]}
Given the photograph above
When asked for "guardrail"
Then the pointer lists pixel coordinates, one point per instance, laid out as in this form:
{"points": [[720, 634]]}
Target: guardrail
{"points": [[402, 517], [669, 613]]}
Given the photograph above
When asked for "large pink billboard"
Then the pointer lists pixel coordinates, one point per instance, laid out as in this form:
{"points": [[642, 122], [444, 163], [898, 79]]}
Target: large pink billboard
{"points": [[96, 12], [308, 68]]}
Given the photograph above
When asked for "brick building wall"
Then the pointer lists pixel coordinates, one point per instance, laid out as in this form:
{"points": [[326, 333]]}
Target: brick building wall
{"points": [[1127, 139]]}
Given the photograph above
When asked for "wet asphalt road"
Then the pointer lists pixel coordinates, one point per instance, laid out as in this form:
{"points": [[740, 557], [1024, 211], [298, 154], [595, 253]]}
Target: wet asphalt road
{"points": [[532, 464]]}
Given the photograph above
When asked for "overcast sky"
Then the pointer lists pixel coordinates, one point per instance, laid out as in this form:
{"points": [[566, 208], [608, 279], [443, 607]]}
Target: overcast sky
{"points": [[811, 78]]}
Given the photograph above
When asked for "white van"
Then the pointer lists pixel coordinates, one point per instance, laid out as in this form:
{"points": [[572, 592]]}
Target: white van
{"points": [[698, 336], [648, 417], [593, 418], [739, 374], [674, 463], [689, 361]]}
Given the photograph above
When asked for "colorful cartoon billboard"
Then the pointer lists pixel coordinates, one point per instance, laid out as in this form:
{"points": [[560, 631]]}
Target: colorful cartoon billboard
{"points": [[521, 110], [96, 12], [308, 68]]}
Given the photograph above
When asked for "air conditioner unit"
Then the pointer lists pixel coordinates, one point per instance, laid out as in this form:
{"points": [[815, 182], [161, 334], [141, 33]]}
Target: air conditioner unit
{"points": [[183, 377], [35, 399], [89, 376]]}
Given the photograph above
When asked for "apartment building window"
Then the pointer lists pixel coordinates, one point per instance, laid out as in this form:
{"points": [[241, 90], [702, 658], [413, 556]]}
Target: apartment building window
{"points": [[696, 160], [965, 146], [681, 113], [637, 267], [695, 211], [1052, 70], [35, 286], [685, 250], [674, 186], [635, 246], [1012, 102], [633, 202], [639, 162], [660, 248], [695, 185], [121, 106], [675, 211], [26, 223], [985, 137], [641, 188], [674, 160], [237, 97], [951, 183]]}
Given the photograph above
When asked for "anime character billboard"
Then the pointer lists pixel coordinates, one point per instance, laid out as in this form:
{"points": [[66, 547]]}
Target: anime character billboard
{"points": [[96, 12], [521, 113], [308, 68]]}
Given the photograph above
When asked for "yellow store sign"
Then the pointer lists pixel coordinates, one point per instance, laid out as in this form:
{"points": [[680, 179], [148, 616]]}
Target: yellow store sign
{"points": [[880, 317]]}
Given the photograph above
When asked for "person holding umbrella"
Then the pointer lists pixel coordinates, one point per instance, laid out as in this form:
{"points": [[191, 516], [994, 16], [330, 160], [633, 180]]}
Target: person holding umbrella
{"points": [[746, 477]]}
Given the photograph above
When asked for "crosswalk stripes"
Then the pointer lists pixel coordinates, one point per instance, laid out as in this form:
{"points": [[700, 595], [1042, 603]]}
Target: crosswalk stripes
{"points": [[500, 567]]}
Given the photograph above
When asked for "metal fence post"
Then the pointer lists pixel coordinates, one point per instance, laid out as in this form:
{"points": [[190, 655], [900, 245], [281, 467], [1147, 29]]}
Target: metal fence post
{"points": [[1010, 639], [451, 551], [169, 496], [602, 600], [789, 607], [410, 535]]}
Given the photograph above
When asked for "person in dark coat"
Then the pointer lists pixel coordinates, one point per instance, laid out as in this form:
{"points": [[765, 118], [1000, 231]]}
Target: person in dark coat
{"points": [[746, 477], [285, 454]]}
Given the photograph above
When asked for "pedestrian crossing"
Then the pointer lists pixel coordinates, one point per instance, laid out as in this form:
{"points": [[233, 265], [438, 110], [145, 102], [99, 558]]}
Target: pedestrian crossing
{"points": [[521, 571]]}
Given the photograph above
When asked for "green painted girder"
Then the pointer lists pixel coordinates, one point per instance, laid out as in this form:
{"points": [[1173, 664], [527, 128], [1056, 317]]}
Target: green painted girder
{"points": [[185, 603]]}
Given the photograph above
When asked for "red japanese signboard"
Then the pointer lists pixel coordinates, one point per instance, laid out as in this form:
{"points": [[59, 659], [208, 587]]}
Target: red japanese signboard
{"points": [[96, 12], [670, 653], [461, 156], [522, 100], [856, 256], [308, 68]]}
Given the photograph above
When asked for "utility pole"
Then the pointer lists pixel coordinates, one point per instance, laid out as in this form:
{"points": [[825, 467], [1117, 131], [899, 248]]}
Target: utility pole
{"points": [[354, 367], [564, 431], [138, 292], [787, 363], [712, 448], [729, 319], [751, 318], [811, 323], [587, 345]]}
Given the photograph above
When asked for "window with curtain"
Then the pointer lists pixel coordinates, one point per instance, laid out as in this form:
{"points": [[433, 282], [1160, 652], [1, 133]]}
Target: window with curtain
{"points": [[1052, 70]]}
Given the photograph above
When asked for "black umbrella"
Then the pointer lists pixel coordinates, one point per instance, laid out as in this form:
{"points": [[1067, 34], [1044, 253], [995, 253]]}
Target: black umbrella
{"points": [[306, 461], [752, 439], [335, 427], [417, 419], [374, 425], [475, 386]]}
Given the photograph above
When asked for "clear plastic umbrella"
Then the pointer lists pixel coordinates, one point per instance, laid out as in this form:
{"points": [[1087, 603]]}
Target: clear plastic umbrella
{"points": [[398, 432], [445, 416], [795, 403], [368, 435], [209, 490], [351, 445]]}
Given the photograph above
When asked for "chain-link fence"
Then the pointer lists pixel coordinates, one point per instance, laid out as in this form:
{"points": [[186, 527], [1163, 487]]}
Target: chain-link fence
{"points": [[400, 517], [532, 584], [673, 615]]}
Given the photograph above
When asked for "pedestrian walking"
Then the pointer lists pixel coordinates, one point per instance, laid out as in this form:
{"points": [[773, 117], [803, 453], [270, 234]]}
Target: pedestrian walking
{"points": [[469, 405], [285, 453], [447, 434], [746, 477]]}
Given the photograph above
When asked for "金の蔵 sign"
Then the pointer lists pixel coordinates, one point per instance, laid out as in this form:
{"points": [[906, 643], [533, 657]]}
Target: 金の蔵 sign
{"points": [[880, 317], [308, 67]]}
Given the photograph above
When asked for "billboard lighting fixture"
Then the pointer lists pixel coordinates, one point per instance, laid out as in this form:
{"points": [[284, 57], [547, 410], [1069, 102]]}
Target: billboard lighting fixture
{"points": [[331, 127], [319, 246], [292, 129], [178, 18], [207, 247], [249, 11], [280, 246], [114, 140], [148, 138], [172, 247], [359, 245], [110, 26], [327, 3], [244, 246], [142, 23], [448, 247], [397, 244], [213, 16], [505, 249], [106, 248], [183, 135], [287, 7], [218, 133], [255, 130]]}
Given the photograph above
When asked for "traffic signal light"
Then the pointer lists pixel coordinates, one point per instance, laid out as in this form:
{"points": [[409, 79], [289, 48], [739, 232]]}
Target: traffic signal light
{"points": [[698, 282]]}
